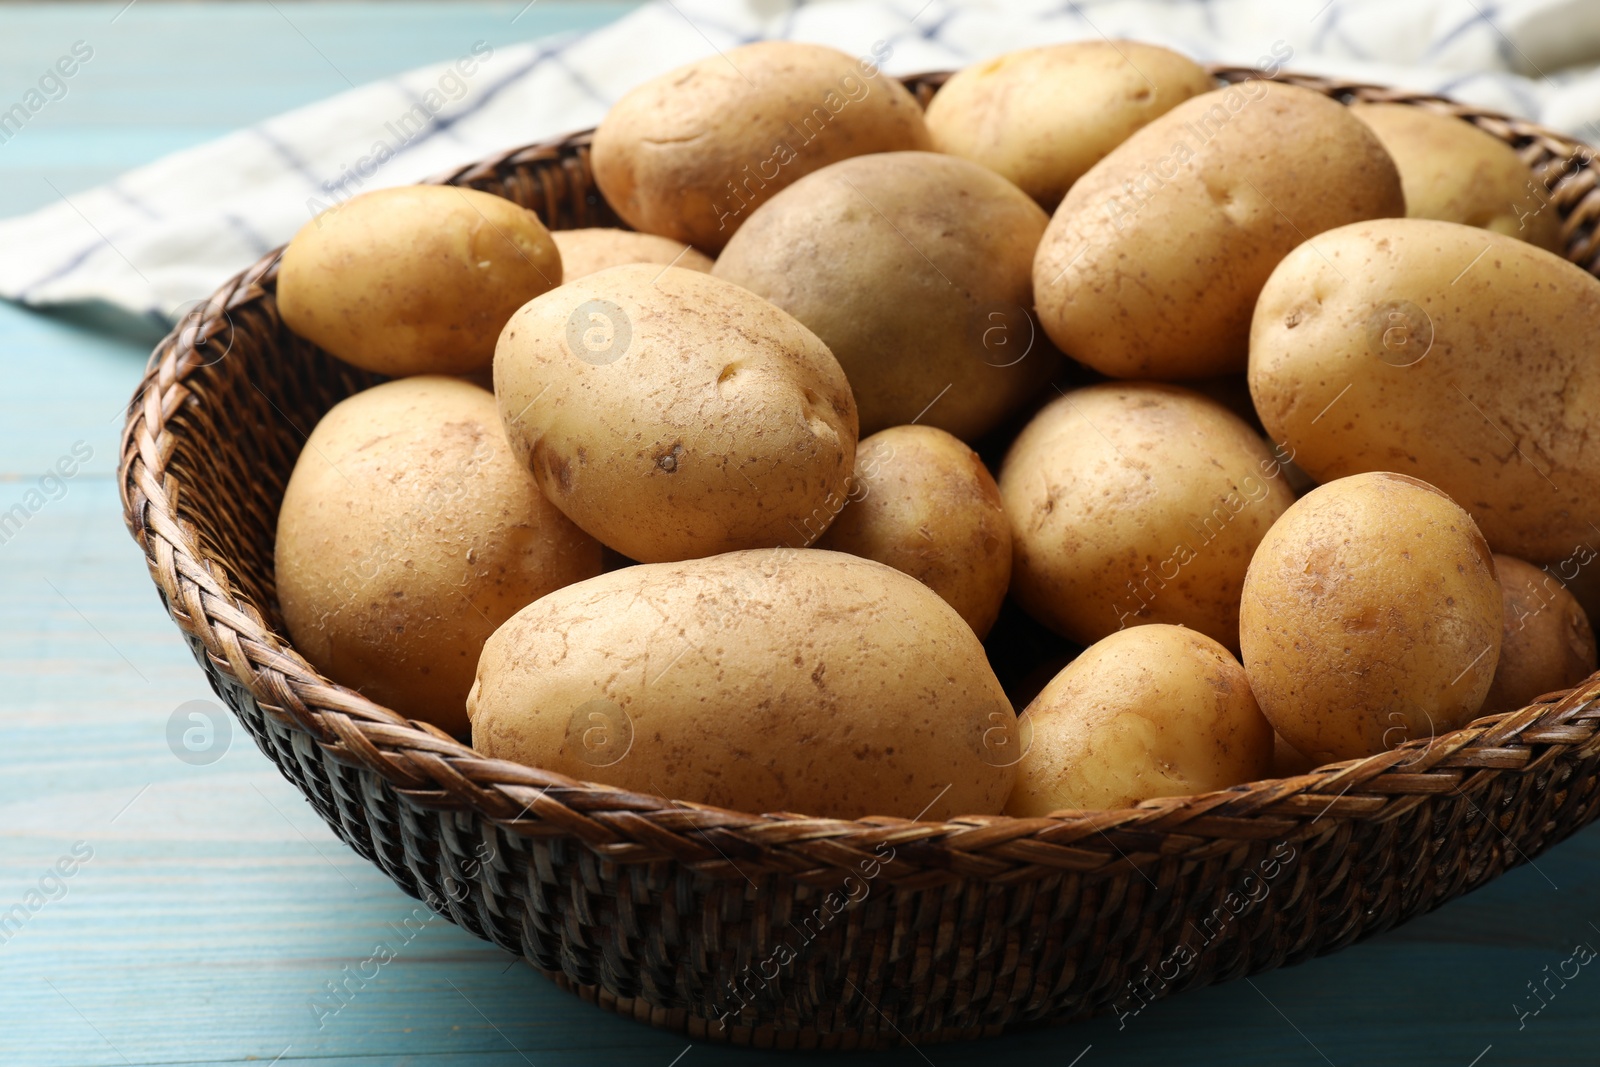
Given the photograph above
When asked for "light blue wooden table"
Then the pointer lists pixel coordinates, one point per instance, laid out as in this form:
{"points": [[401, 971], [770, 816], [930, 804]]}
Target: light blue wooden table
{"points": [[207, 907]]}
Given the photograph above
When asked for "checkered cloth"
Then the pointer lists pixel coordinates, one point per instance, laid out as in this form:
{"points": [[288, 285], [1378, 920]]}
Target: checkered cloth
{"points": [[163, 236]]}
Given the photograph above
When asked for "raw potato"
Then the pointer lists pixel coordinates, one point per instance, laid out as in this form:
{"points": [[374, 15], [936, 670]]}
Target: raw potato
{"points": [[1371, 617], [1136, 502], [1151, 711], [408, 532], [923, 503], [673, 415], [415, 280], [764, 681], [1041, 117], [913, 268], [1455, 172], [1548, 644], [1456, 355], [586, 252], [1152, 264], [690, 154]]}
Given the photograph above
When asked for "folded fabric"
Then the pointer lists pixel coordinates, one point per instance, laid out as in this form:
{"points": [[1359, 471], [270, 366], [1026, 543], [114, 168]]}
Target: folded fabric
{"points": [[164, 235]]}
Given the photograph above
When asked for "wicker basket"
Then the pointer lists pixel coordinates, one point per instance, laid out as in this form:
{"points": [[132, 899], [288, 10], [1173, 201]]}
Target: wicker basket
{"points": [[787, 931]]}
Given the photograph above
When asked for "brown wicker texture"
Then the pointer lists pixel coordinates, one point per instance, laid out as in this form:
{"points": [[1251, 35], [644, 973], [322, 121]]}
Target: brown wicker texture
{"points": [[676, 913]]}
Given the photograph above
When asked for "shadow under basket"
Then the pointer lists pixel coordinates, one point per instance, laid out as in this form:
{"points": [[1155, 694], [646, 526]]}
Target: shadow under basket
{"points": [[784, 931]]}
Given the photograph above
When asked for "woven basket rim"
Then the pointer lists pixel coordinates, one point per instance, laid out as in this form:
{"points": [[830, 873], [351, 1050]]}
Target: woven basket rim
{"points": [[436, 771]]}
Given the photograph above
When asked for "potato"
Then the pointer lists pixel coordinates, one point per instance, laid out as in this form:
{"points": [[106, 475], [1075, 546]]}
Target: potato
{"points": [[1041, 117], [1547, 644], [1137, 502], [923, 503], [1151, 711], [765, 680], [1459, 356], [407, 534], [690, 154], [415, 280], [913, 268], [672, 414], [1455, 172], [1371, 616], [585, 252], [1152, 263]]}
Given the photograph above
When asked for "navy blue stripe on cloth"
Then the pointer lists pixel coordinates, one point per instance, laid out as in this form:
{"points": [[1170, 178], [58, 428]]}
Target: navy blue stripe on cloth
{"points": [[287, 154], [1482, 16], [257, 243], [72, 263], [132, 201]]}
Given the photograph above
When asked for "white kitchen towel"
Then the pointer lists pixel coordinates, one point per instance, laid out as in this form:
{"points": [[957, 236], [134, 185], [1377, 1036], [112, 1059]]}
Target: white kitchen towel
{"points": [[164, 235]]}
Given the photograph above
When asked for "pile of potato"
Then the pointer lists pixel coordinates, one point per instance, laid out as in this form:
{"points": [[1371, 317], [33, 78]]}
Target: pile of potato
{"points": [[1290, 404]]}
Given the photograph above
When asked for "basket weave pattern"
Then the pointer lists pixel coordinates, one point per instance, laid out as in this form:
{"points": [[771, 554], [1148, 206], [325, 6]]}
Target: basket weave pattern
{"points": [[783, 930]]}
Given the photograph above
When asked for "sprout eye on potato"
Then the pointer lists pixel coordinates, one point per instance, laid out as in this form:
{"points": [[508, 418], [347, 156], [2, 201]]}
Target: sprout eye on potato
{"points": [[657, 557]]}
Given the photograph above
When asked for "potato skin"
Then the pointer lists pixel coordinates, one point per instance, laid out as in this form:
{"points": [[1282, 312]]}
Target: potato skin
{"points": [[407, 534], [1548, 643], [1134, 502], [914, 269], [1453, 342], [1455, 172], [673, 415], [1371, 616], [690, 154], [1152, 263], [1041, 117], [588, 251], [415, 280], [767, 680], [1150, 711], [923, 503]]}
